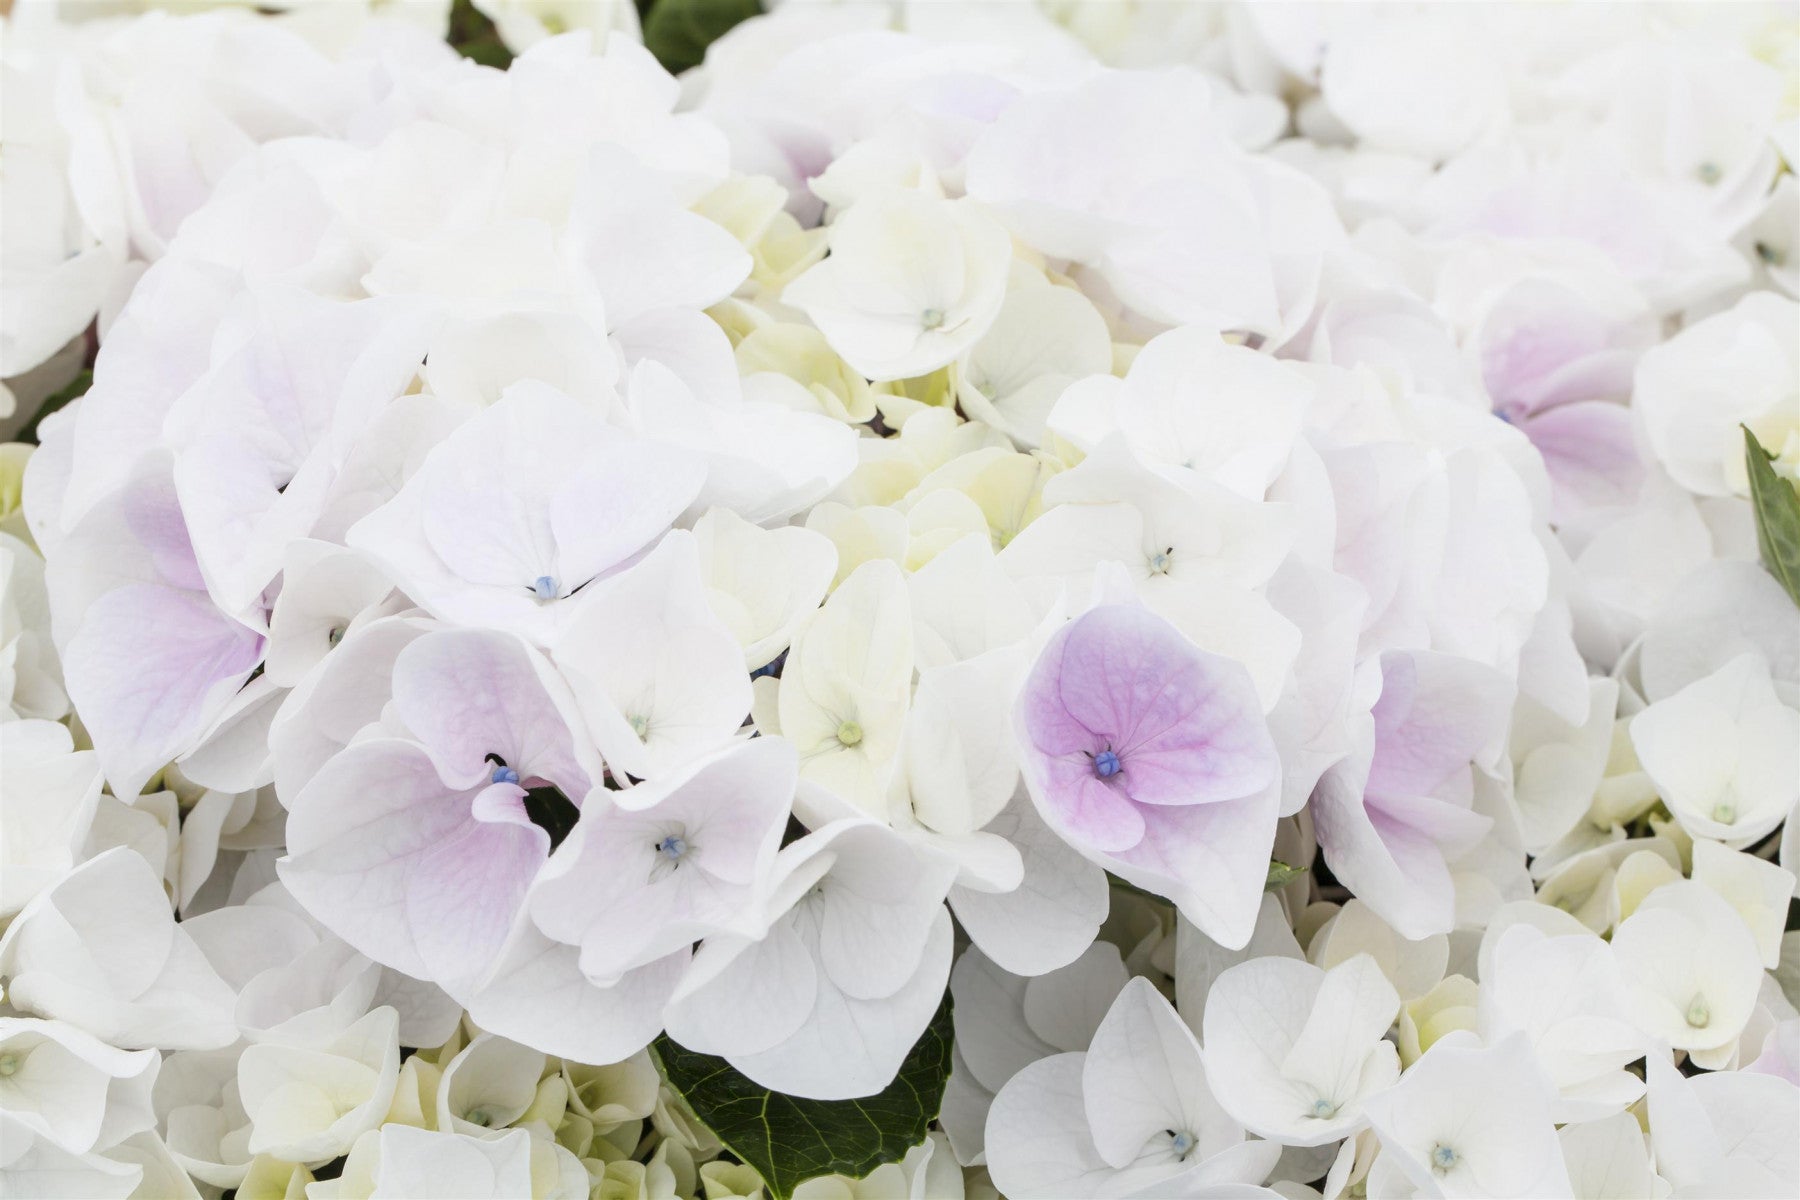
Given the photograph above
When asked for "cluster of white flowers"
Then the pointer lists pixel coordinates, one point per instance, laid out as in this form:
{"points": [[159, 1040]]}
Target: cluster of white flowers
{"points": [[1216, 537]]}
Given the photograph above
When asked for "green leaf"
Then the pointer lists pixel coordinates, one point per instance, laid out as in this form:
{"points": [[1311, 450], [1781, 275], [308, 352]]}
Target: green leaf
{"points": [[1280, 875], [679, 31], [473, 36], [1777, 507], [789, 1140]]}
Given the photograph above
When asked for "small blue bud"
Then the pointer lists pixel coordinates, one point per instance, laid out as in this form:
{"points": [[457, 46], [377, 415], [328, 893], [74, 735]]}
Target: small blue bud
{"points": [[504, 774], [1106, 764], [545, 587], [672, 847]]}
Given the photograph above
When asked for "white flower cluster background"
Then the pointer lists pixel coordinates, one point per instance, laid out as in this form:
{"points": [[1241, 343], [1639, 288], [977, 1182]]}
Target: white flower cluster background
{"points": [[1042, 599]]}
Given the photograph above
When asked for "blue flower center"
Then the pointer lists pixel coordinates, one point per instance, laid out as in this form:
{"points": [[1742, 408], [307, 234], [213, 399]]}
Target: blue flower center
{"points": [[1106, 764], [1182, 1143], [1443, 1158], [545, 587], [672, 847], [503, 774]]}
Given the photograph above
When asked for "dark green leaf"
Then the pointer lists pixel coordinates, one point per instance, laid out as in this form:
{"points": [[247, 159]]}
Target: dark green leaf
{"points": [[552, 812], [473, 36], [679, 31], [1777, 507], [789, 1140], [75, 390]]}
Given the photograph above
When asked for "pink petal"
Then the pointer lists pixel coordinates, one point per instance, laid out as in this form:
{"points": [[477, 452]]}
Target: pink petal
{"points": [[1126, 674], [356, 834], [1186, 725], [466, 694], [1210, 859], [1394, 868], [150, 668], [1190, 736], [1451, 828], [1531, 360], [1437, 713], [464, 893], [1220, 752], [1590, 452]]}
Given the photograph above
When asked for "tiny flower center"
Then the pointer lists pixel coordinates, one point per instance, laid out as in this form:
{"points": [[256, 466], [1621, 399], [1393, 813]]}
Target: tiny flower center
{"points": [[1182, 1143], [544, 587], [1443, 1158], [1324, 1109], [672, 847], [1724, 812], [931, 318], [1708, 173], [640, 726], [480, 1116], [1699, 1013], [503, 774], [1159, 562], [10, 1063], [334, 635], [849, 733], [1770, 254], [1106, 764]]}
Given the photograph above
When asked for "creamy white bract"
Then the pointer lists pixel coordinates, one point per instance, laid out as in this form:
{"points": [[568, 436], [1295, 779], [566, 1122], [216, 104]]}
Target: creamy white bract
{"points": [[937, 500]]}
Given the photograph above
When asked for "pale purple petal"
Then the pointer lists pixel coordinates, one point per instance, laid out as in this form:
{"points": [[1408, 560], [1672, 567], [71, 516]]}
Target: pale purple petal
{"points": [[1437, 713], [150, 668], [1590, 452], [1089, 810], [378, 842], [464, 892], [522, 505], [468, 694], [1392, 854], [1185, 724], [1543, 345], [1152, 758], [1210, 859]]}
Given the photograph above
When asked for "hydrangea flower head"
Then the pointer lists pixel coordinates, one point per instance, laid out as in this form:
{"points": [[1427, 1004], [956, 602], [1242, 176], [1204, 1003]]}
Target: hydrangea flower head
{"points": [[1150, 755]]}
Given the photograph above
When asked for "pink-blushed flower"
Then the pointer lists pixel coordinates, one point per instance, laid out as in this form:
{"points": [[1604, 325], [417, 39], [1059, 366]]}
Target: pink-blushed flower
{"points": [[418, 849], [651, 870], [127, 568], [258, 439], [1152, 758], [1390, 815], [1557, 365], [521, 507]]}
